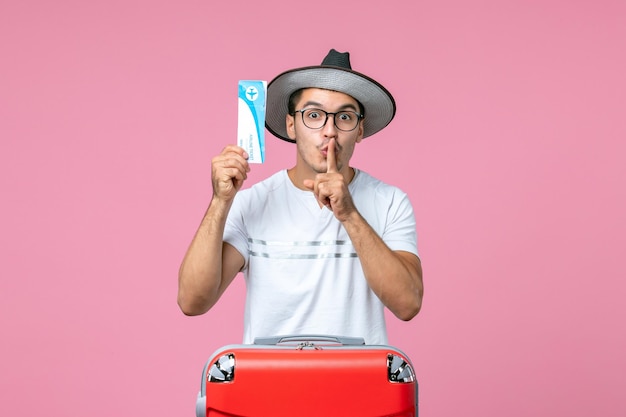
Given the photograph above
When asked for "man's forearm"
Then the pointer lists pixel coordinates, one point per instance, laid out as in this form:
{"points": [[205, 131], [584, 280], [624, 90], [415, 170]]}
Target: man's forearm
{"points": [[200, 273], [395, 277]]}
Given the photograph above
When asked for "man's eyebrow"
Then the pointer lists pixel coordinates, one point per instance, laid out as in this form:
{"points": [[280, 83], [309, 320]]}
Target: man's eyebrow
{"points": [[311, 103], [347, 106]]}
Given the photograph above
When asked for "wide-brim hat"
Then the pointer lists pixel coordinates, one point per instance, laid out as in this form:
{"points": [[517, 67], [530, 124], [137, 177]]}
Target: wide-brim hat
{"points": [[335, 73]]}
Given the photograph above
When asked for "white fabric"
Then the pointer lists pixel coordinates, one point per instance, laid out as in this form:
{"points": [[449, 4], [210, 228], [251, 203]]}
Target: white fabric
{"points": [[302, 273]]}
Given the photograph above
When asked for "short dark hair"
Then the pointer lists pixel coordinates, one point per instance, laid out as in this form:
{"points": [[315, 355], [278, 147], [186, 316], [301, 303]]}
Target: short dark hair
{"points": [[295, 96]]}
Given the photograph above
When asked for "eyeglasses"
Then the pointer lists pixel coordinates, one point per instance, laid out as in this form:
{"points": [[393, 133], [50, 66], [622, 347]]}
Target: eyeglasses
{"points": [[317, 118]]}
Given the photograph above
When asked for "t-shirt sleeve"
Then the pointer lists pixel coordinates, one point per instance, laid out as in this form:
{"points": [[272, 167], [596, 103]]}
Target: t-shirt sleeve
{"points": [[400, 231]]}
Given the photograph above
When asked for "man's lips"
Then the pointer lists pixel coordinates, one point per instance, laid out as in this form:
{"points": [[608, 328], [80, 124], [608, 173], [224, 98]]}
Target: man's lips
{"points": [[324, 150]]}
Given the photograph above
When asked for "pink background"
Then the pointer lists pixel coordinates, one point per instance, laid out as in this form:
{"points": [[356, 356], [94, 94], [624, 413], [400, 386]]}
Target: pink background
{"points": [[510, 139]]}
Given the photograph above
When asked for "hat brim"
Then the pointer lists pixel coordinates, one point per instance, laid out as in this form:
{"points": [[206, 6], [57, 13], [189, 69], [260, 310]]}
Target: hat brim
{"points": [[380, 107]]}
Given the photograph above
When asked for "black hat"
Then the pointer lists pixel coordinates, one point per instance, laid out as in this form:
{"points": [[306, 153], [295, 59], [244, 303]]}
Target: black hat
{"points": [[335, 73]]}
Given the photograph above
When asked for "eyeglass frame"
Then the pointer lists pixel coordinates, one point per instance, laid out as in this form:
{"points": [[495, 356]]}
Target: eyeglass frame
{"points": [[358, 115]]}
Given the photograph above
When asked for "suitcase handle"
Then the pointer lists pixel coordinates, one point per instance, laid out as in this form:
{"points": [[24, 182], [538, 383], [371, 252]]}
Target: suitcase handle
{"points": [[344, 340]]}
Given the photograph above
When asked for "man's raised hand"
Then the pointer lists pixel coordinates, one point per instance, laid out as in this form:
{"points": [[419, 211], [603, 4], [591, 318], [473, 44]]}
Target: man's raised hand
{"points": [[228, 172]]}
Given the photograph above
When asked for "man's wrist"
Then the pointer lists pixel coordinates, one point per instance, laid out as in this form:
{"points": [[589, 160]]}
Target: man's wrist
{"points": [[353, 218], [219, 206]]}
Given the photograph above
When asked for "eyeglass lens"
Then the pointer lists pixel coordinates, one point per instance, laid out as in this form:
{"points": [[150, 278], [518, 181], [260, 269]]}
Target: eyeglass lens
{"points": [[317, 118]]}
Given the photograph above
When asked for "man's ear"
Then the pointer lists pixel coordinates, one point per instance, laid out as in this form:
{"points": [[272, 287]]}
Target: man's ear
{"points": [[290, 122]]}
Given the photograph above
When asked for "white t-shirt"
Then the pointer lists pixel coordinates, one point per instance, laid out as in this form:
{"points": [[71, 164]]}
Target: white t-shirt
{"points": [[302, 272]]}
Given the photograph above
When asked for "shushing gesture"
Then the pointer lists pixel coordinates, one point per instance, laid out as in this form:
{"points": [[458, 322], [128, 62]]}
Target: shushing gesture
{"points": [[331, 189], [228, 172]]}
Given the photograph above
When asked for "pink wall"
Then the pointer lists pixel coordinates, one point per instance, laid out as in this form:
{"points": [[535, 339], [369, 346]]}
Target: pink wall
{"points": [[510, 139]]}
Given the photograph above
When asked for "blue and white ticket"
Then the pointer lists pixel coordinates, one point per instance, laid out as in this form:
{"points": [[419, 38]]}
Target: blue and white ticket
{"points": [[251, 119]]}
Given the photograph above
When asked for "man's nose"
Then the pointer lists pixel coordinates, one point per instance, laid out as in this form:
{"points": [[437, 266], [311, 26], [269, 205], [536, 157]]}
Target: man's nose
{"points": [[329, 127]]}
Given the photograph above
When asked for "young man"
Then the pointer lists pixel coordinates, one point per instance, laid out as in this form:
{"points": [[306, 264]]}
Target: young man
{"points": [[323, 246]]}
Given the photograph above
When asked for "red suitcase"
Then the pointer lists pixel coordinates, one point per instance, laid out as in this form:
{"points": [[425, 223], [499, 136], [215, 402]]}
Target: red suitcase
{"points": [[320, 376]]}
